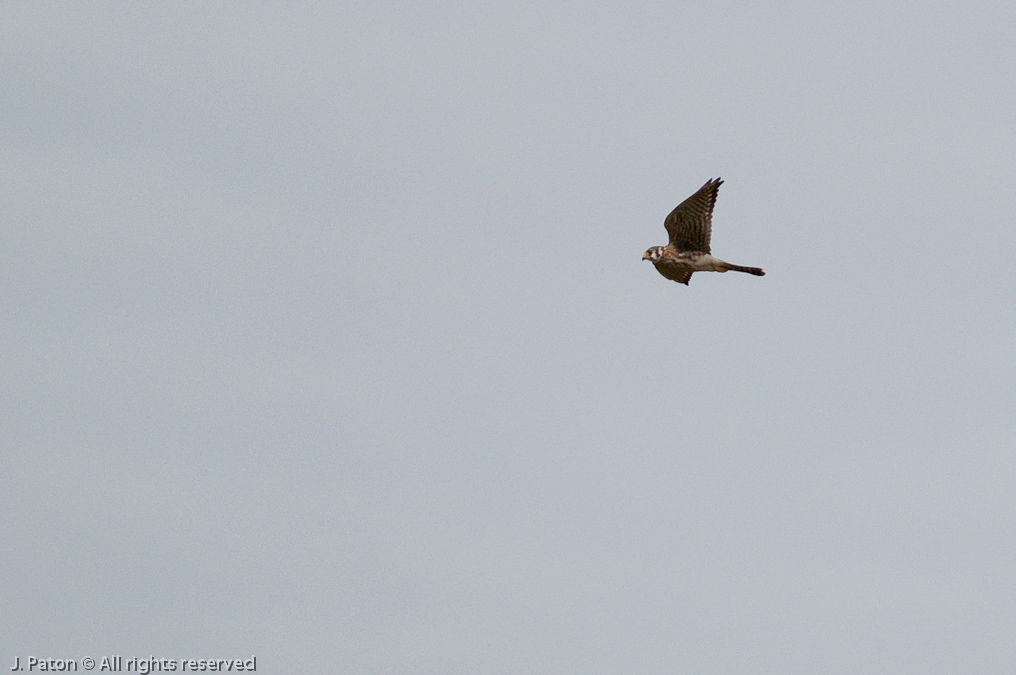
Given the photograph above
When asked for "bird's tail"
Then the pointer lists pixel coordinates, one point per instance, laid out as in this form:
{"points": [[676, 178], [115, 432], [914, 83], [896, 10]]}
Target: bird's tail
{"points": [[757, 271]]}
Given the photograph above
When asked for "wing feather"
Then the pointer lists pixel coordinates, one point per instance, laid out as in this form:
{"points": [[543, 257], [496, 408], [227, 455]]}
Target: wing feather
{"points": [[690, 224], [674, 272]]}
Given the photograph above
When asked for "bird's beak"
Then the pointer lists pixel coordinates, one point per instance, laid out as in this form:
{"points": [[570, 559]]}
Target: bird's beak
{"points": [[645, 256]]}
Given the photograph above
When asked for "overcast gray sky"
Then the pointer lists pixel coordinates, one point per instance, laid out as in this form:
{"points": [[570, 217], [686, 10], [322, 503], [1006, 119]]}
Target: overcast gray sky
{"points": [[327, 338]]}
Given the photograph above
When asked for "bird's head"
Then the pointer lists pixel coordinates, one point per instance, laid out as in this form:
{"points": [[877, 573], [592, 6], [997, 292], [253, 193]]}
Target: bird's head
{"points": [[653, 254]]}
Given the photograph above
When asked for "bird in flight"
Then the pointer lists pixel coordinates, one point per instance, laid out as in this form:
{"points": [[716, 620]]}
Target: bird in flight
{"points": [[689, 226]]}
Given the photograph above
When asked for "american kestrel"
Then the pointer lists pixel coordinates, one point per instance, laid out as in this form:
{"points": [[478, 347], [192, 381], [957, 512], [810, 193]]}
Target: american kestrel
{"points": [[689, 227]]}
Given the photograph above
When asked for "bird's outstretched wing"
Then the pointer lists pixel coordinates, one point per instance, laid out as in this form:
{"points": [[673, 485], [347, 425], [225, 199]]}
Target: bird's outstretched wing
{"points": [[690, 224]]}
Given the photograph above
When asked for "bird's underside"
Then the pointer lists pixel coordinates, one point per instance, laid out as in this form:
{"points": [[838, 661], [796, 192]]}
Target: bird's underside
{"points": [[679, 267], [690, 226]]}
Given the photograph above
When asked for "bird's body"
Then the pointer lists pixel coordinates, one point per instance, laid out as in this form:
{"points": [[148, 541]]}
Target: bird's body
{"points": [[690, 226]]}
